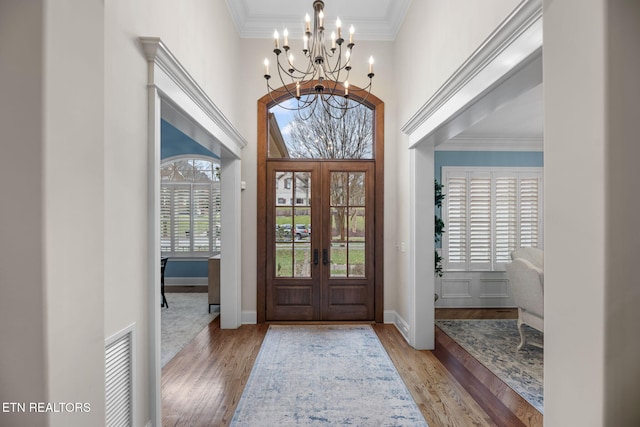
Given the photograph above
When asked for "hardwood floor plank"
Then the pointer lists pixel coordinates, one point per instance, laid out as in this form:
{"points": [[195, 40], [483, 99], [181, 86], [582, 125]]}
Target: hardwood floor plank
{"points": [[441, 399], [503, 404], [202, 384]]}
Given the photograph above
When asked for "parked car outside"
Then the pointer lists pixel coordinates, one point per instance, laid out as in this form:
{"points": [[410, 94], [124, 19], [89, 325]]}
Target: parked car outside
{"points": [[302, 231], [284, 232]]}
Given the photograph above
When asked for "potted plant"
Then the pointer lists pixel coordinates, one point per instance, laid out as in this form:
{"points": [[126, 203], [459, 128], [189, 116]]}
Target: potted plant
{"points": [[439, 225]]}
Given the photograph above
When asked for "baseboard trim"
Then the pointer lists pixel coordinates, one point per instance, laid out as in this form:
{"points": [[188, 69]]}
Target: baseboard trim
{"points": [[392, 317], [249, 317]]}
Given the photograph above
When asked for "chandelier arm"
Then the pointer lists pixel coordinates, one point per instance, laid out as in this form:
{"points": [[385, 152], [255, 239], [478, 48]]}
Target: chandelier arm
{"points": [[312, 105], [284, 86], [296, 70], [335, 71], [343, 112], [324, 80]]}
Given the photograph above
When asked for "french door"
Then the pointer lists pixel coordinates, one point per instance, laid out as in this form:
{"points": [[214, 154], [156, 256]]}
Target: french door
{"points": [[320, 241]]}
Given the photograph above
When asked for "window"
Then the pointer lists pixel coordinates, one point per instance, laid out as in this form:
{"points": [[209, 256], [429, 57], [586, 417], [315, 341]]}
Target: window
{"points": [[190, 207], [489, 212], [321, 132]]}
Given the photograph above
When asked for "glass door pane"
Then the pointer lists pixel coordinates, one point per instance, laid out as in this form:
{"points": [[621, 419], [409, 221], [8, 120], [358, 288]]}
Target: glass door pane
{"points": [[292, 224], [348, 224]]}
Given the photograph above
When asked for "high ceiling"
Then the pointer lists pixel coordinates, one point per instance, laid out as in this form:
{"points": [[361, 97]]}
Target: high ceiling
{"points": [[372, 19], [517, 125]]}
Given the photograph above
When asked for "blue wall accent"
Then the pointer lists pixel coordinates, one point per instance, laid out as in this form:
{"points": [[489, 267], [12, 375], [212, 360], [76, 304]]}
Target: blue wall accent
{"points": [[179, 268], [175, 143], [486, 159]]}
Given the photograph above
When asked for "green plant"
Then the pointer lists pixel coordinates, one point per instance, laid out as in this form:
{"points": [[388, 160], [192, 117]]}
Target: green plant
{"points": [[439, 226]]}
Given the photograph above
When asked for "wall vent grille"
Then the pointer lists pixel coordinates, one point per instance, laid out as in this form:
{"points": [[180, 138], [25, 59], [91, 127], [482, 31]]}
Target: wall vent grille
{"points": [[119, 379]]}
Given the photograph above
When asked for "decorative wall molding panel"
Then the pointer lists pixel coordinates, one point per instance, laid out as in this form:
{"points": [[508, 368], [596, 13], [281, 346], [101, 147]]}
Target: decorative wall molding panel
{"points": [[474, 290]]}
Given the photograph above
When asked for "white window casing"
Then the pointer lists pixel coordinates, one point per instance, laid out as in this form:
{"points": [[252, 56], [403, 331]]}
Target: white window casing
{"points": [[488, 212]]}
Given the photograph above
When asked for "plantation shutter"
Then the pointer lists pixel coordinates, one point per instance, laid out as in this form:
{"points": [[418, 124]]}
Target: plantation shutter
{"points": [[506, 220], [455, 237], [488, 213], [165, 219], [201, 217], [190, 208], [480, 222], [216, 207], [529, 211], [182, 218]]}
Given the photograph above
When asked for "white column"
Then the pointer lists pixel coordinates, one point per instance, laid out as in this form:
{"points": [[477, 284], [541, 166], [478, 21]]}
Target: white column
{"points": [[230, 256], [153, 261], [575, 212], [421, 247]]}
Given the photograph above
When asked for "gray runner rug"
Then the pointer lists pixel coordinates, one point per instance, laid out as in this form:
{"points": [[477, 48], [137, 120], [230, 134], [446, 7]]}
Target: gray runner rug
{"points": [[325, 375]]}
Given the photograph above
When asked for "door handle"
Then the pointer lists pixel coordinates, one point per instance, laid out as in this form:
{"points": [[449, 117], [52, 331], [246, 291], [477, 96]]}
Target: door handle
{"points": [[325, 256], [315, 257]]}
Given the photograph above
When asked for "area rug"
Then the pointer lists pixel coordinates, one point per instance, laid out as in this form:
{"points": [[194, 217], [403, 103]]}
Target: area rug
{"points": [[187, 314], [493, 343], [325, 375]]}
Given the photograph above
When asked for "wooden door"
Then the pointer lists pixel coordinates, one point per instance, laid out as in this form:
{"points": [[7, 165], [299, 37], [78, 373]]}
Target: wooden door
{"points": [[348, 241], [320, 241]]}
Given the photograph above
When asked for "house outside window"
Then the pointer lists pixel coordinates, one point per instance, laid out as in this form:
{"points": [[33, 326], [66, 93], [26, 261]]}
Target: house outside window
{"points": [[190, 207], [489, 212]]}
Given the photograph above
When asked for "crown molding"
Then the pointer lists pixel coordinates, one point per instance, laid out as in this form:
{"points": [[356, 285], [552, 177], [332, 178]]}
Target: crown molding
{"points": [[261, 26], [491, 144], [515, 40], [158, 54]]}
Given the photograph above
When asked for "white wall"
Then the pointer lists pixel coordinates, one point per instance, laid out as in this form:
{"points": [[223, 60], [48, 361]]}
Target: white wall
{"points": [[53, 237], [575, 206], [23, 368], [622, 347], [202, 37], [591, 242], [74, 206], [435, 39]]}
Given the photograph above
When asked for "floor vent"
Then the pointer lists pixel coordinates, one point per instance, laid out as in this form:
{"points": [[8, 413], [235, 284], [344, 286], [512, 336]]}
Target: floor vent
{"points": [[119, 379]]}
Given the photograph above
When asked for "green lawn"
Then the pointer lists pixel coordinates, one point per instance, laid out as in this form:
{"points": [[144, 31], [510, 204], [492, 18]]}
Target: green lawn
{"points": [[285, 263]]}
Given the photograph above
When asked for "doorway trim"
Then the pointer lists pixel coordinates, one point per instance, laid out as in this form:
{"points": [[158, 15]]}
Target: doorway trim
{"points": [[172, 91], [516, 43], [376, 104]]}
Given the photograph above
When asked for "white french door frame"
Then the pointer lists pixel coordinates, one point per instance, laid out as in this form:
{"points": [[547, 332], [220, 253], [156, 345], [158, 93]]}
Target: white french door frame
{"points": [[174, 95]]}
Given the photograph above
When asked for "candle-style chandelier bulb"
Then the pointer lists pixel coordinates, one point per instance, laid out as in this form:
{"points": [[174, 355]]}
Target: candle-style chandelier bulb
{"points": [[323, 78]]}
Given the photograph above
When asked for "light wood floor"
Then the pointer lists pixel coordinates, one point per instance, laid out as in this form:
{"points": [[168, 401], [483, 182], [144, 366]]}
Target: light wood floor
{"points": [[202, 385]]}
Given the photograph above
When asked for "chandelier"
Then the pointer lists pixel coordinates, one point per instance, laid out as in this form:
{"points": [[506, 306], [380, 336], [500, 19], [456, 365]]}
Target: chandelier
{"points": [[323, 78]]}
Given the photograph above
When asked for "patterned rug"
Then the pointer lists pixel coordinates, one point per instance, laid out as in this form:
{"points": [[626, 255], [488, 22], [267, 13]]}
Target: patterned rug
{"points": [[493, 343], [325, 375], [188, 314]]}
